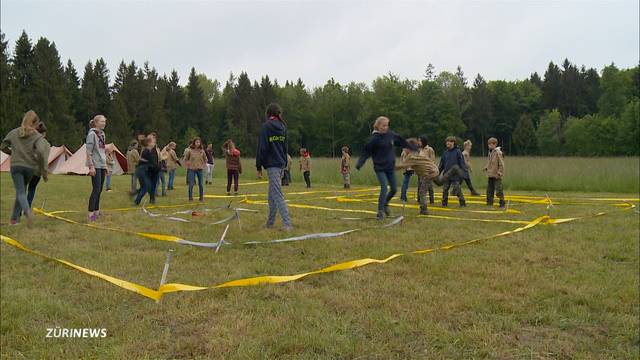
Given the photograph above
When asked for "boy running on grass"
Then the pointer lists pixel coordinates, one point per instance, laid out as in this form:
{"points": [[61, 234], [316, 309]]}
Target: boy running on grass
{"points": [[451, 158], [495, 172], [345, 167], [424, 167]]}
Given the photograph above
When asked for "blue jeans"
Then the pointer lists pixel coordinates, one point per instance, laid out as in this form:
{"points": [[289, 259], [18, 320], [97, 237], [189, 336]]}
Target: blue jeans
{"points": [[162, 179], [191, 177], [405, 185], [148, 185], [172, 176], [21, 176], [276, 198], [386, 178]]}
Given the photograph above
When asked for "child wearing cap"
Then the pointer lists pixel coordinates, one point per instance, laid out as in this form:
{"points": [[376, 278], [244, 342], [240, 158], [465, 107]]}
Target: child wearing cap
{"points": [[495, 171]]}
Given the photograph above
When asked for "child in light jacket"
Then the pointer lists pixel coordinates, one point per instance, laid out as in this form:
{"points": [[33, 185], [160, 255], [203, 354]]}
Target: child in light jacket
{"points": [[495, 172], [305, 166]]}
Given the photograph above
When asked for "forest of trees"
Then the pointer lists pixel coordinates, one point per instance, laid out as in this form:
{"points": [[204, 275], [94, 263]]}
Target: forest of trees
{"points": [[569, 110]]}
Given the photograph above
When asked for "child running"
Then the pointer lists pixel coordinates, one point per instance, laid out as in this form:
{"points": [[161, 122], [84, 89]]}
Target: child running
{"points": [[427, 151], [234, 165], [380, 149], [272, 155], [29, 152], [495, 172], [305, 166], [345, 167], [423, 166]]}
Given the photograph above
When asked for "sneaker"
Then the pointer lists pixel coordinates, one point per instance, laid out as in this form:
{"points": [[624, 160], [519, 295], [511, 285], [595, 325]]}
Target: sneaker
{"points": [[424, 212], [228, 193], [387, 211], [13, 222], [92, 217], [201, 199], [288, 228], [268, 226], [380, 216], [109, 190]]}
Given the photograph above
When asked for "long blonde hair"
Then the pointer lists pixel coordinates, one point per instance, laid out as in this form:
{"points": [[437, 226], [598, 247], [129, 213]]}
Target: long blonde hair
{"points": [[30, 123]]}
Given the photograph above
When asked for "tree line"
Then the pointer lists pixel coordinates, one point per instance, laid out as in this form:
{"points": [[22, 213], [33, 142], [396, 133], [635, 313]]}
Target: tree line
{"points": [[570, 110]]}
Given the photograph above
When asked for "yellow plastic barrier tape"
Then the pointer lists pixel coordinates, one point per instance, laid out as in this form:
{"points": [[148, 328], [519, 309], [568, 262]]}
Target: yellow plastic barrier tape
{"points": [[437, 208], [270, 279], [142, 290], [302, 206], [160, 237]]}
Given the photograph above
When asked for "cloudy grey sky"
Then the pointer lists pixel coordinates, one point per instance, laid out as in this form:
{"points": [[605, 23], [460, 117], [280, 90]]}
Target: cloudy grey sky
{"points": [[349, 41]]}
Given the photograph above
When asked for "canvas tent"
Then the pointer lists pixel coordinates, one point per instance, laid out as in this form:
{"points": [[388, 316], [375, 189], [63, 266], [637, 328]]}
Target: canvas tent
{"points": [[76, 163], [5, 162], [57, 157]]}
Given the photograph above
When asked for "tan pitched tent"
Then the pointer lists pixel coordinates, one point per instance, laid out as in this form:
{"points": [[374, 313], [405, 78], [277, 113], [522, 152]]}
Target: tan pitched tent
{"points": [[58, 155], [76, 163], [5, 162]]}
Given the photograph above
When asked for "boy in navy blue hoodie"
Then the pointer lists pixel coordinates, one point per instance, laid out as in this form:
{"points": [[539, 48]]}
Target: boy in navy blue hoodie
{"points": [[451, 159], [380, 149], [272, 155]]}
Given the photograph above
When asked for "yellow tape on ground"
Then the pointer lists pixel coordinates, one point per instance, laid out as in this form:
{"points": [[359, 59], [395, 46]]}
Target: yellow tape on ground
{"points": [[152, 236], [437, 208], [271, 279], [142, 290], [302, 206]]}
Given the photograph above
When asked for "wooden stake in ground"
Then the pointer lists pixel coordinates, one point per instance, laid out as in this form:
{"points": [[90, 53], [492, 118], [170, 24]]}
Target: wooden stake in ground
{"points": [[165, 270]]}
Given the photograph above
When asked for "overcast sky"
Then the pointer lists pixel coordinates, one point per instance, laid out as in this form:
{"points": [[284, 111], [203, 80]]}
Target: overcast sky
{"points": [[349, 41]]}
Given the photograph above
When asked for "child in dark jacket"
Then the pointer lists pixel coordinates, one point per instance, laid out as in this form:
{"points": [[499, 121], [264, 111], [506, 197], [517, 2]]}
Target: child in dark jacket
{"points": [[272, 155], [380, 149], [451, 159]]}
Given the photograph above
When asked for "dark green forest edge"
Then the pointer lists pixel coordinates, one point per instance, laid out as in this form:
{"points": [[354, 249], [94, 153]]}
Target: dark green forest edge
{"points": [[567, 111]]}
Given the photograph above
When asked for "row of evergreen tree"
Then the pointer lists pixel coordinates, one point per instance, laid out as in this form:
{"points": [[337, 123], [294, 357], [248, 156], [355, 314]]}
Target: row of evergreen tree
{"points": [[569, 111]]}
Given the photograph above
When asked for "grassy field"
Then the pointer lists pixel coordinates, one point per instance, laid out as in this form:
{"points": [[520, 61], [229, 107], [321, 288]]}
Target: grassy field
{"points": [[617, 174], [555, 291]]}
